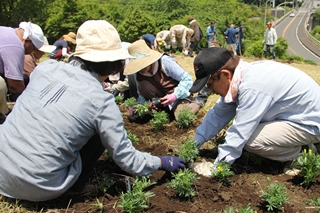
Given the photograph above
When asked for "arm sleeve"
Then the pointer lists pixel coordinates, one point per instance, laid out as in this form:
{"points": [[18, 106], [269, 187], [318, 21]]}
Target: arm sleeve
{"points": [[110, 126], [253, 106], [64, 52], [12, 59]]}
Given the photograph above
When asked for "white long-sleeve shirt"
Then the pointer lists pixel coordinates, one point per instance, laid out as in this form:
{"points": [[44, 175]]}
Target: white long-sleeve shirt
{"points": [[269, 91], [270, 36]]}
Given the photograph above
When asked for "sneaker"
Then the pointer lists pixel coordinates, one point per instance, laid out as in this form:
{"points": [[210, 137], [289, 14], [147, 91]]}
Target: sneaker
{"points": [[289, 170]]}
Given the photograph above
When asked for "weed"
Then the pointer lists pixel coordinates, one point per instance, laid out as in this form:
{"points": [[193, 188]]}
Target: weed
{"points": [[185, 118], [134, 139], [119, 99], [159, 119], [189, 151], [136, 200], [222, 173], [142, 109], [275, 196], [183, 182], [105, 182], [309, 164], [99, 205]]}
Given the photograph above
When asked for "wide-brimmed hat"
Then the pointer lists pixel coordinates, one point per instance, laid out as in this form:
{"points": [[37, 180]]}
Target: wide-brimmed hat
{"points": [[71, 37], [206, 63], [143, 57], [46, 47], [33, 32], [98, 41]]}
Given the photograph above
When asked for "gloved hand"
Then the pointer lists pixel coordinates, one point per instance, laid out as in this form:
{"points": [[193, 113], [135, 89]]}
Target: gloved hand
{"points": [[203, 168], [168, 99], [171, 163]]}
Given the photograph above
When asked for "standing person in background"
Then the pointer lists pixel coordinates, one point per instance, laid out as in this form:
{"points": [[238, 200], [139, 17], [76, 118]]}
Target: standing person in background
{"points": [[30, 60], [63, 46], [211, 33], [73, 121], [270, 39], [163, 38], [196, 37], [240, 39], [180, 36], [151, 41], [230, 35], [14, 44]]}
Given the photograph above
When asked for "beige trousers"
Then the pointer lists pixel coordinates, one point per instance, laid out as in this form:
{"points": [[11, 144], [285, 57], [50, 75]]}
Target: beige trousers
{"points": [[279, 141], [3, 96]]}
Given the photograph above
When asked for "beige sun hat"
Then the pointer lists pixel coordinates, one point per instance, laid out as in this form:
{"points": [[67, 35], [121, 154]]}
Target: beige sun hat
{"points": [[98, 41], [143, 57], [46, 47], [71, 37]]}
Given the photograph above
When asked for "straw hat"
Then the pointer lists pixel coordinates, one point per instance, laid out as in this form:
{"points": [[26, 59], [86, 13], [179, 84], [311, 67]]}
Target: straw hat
{"points": [[46, 47], [98, 41], [71, 37], [144, 56]]}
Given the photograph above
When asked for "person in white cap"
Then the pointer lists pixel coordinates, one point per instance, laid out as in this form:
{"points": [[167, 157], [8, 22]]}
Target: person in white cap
{"points": [[73, 121], [30, 60], [14, 44]]}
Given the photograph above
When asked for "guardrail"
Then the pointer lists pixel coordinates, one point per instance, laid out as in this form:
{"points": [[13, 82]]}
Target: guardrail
{"points": [[308, 35]]}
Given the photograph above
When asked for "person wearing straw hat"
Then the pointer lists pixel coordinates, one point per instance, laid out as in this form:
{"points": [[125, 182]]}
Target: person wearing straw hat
{"points": [[73, 121], [30, 60], [14, 44], [159, 76], [275, 107], [180, 37], [63, 46]]}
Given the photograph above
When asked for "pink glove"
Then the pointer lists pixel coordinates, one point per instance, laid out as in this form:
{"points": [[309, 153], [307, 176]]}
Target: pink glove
{"points": [[168, 99]]}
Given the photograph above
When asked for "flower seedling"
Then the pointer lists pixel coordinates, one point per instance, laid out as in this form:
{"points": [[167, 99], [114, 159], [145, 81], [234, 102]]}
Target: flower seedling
{"points": [[246, 209], [134, 139], [159, 119], [142, 109], [182, 183], [222, 173], [189, 151], [275, 196], [316, 202], [130, 104], [309, 165], [185, 118], [136, 200], [105, 182], [118, 99]]}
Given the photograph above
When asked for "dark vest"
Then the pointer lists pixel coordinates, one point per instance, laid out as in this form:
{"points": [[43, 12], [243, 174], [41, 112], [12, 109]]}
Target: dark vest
{"points": [[160, 80]]}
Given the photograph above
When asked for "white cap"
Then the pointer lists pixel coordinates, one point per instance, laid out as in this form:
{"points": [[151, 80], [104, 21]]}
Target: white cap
{"points": [[33, 32], [46, 47]]}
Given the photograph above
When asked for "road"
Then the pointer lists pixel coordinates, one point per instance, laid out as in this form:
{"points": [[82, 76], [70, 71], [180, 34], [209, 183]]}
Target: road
{"points": [[291, 28]]}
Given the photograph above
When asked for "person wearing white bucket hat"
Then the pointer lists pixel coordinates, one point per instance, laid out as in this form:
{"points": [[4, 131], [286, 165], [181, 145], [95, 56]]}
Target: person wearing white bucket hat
{"points": [[159, 76], [14, 44], [73, 121]]}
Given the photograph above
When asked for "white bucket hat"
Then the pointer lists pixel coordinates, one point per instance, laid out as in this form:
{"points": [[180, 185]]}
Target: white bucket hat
{"points": [[33, 32], [98, 41], [46, 47]]}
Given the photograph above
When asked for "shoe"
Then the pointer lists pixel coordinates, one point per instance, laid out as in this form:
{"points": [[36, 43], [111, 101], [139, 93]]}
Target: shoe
{"points": [[85, 191], [289, 170]]}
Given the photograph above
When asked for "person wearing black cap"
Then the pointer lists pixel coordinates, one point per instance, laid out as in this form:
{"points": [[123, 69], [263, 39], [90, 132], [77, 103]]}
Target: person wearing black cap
{"points": [[276, 108]]}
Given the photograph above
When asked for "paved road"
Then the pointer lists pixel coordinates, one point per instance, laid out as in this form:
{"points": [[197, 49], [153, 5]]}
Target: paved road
{"points": [[291, 28]]}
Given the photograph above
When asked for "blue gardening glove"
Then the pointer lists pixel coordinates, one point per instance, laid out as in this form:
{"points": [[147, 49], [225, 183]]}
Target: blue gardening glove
{"points": [[171, 163]]}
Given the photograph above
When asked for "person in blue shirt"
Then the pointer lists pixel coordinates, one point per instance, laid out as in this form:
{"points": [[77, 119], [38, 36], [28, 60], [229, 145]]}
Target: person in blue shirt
{"points": [[63, 48], [211, 33], [230, 35], [275, 107]]}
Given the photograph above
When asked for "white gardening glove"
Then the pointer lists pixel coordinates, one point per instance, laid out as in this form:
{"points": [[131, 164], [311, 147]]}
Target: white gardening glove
{"points": [[202, 168], [121, 86]]}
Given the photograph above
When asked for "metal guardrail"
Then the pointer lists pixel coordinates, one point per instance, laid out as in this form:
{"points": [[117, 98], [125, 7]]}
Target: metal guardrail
{"points": [[309, 36]]}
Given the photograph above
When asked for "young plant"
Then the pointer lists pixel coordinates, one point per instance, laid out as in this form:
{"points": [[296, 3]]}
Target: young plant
{"points": [[118, 99], [130, 104], [142, 109], [185, 118], [134, 139], [189, 151], [135, 201], [159, 119], [182, 183], [309, 166], [222, 173], [246, 209], [275, 196], [105, 182], [316, 202]]}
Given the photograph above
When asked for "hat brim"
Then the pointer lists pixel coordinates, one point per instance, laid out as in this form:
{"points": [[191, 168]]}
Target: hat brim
{"points": [[137, 64], [48, 48], [103, 55], [199, 84], [68, 38]]}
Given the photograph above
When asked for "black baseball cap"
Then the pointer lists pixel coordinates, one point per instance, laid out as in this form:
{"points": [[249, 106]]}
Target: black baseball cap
{"points": [[206, 63]]}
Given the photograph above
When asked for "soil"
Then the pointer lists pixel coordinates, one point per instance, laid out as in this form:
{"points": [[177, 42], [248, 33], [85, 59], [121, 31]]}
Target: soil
{"points": [[251, 176]]}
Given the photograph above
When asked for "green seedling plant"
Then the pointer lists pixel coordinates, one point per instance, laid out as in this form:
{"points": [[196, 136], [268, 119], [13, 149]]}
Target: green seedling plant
{"points": [[222, 173], [309, 165], [136, 200], [185, 118], [189, 151], [134, 139], [130, 104], [275, 196], [182, 183], [246, 209], [316, 202], [105, 182], [159, 119], [142, 109], [118, 99]]}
